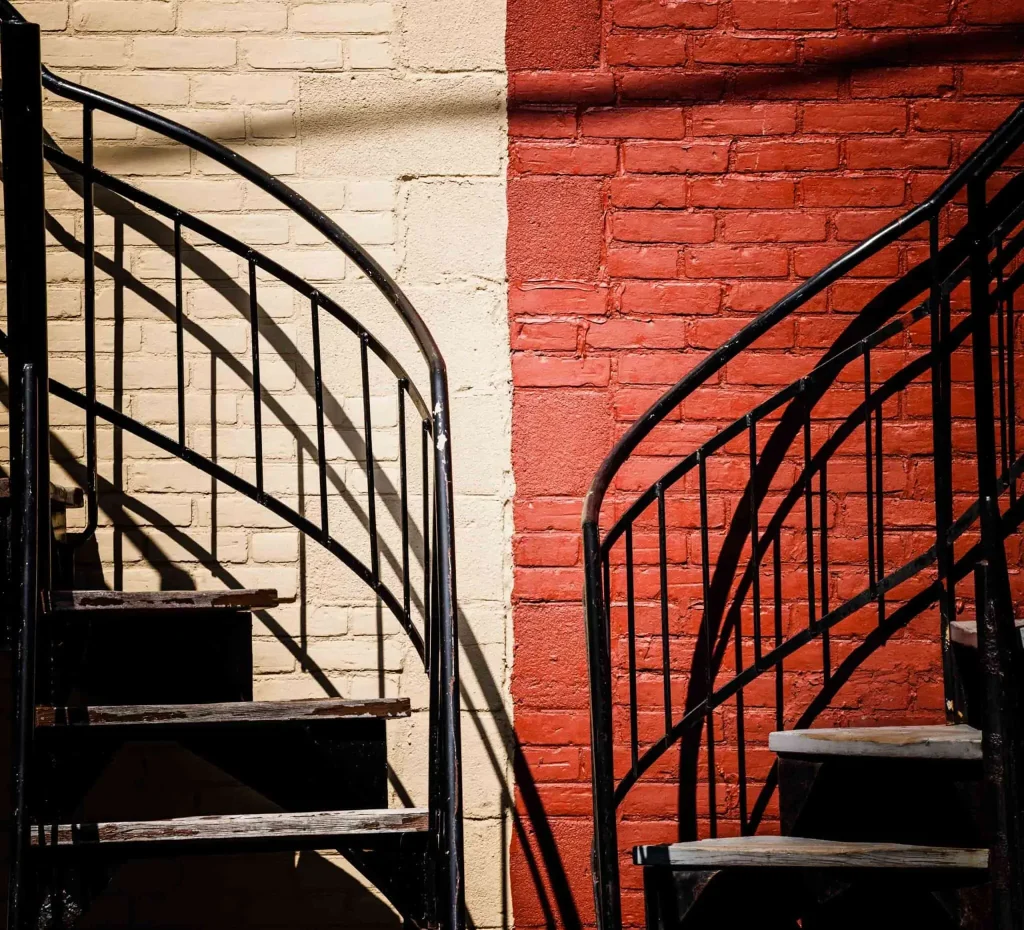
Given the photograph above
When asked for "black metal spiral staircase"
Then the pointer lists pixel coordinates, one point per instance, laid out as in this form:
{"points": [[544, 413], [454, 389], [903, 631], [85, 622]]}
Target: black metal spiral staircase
{"points": [[815, 558], [82, 689]]}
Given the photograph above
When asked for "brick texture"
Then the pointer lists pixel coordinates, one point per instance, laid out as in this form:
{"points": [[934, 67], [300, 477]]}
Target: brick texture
{"points": [[400, 138], [731, 149]]}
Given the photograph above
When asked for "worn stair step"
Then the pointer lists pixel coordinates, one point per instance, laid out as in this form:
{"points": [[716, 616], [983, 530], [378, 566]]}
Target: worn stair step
{"points": [[65, 497], [965, 632], [807, 853], [223, 829], [958, 743], [242, 599], [133, 715]]}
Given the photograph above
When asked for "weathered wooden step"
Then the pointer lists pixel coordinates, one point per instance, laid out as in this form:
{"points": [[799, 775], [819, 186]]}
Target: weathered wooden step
{"points": [[772, 852], [242, 599], [959, 743], [302, 828], [134, 715], [64, 497], [965, 632]]}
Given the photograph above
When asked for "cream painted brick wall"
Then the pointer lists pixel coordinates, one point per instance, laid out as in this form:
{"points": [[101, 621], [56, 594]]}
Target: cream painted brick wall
{"points": [[390, 116]]}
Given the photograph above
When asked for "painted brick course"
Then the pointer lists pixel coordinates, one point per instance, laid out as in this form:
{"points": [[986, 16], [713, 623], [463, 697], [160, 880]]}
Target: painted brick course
{"points": [[400, 136], [730, 149]]}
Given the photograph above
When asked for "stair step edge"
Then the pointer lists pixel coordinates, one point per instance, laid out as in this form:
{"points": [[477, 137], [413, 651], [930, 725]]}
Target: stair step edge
{"points": [[807, 853], [62, 496], [239, 599], [939, 742], [965, 632], [308, 711], [301, 826]]}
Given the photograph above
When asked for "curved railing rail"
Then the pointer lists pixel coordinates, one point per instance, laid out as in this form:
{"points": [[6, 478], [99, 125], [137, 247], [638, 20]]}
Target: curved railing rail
{"points": [[759, 571], [434, 631]]}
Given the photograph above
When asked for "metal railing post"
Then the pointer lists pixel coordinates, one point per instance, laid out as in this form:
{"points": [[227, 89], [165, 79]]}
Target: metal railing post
{"points": [[606, 847], [27, 551], [26, 238], [996, 632], [452, 878], [29, 431]]}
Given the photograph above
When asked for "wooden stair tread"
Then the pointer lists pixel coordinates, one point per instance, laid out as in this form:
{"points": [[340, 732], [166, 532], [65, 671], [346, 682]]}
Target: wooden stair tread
{"points": [[66, 497], [965, 632], [925, 742], [807, 853], [302, 826], [241, 599], [131, 715]]}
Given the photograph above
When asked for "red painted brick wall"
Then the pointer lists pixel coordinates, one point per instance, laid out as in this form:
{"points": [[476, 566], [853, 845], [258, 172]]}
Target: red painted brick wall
{"points": [[675, 167]]}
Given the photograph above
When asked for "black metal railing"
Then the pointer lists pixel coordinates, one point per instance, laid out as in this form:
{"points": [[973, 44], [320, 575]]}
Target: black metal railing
{"points": [[431, 625], [782, 539]]}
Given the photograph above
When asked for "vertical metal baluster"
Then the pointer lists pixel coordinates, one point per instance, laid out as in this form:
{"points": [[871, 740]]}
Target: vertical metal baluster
{"points": [[755, 542], [425, 451], [634, 738], [179, 327], [666, 662], [318, 386], [709, 675], [403, 386], [812, 607], [938, 307], [364, 362], [1011, 391], [868, 476], [945, 313], [741, 761], [257, 393], [826, 652], [777, 596], [879, 511], [741, 743], [606, 577], [1004, 445], [89, 236], [712, 775]]}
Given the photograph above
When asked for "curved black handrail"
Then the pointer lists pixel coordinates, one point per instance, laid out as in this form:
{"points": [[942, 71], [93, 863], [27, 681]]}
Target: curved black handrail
{"points": [[437, 646], [251, 172], [980, 164], [965, 256]]}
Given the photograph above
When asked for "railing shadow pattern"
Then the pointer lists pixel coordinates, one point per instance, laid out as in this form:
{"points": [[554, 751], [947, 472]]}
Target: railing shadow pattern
{"points": [[143, 527], [430, 617]]}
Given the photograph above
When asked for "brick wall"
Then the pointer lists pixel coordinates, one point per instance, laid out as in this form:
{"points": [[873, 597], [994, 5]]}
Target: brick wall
{"points": [[397, 130], [675, 167]]}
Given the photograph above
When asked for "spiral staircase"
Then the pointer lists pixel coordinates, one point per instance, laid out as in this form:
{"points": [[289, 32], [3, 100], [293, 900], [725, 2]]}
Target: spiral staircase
{"points": [[817, 530], [96, 670]]}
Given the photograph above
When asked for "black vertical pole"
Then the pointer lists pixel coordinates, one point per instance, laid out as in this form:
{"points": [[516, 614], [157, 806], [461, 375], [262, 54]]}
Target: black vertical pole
{"points": [[28, 376], [998, 756], [26, 240], [996, 632], [23, 722], [605, 865], [955, 704], [453, 880]]}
